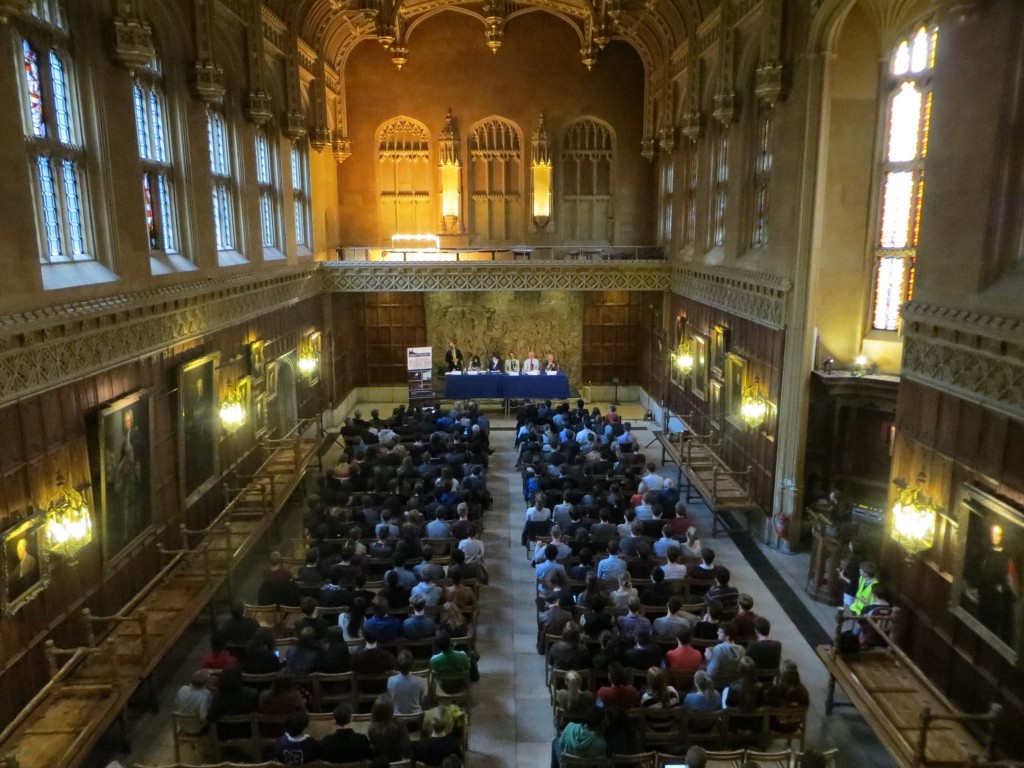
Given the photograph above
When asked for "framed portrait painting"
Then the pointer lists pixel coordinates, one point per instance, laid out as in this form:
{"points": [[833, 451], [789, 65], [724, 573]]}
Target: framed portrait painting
{"points": [[735, 379], [256, 360], [700, 366], [715, 403], [125, 509], [26, 564], [259, 415], [719, 348], [197, 427], [270, 382]]}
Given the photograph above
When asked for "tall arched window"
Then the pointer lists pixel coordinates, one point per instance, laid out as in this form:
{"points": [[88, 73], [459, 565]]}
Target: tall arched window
{"points": [[403, 157], [53, 129], [588, 157], [300, 194], [902, 181], [155, 153], [266, 176], [496, 157], [718, 170], [762, 174], [222, 180]]}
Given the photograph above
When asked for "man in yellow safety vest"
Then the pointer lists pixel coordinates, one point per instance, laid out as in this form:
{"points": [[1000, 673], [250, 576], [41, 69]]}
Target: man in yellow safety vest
{"points": [[865, 588]]}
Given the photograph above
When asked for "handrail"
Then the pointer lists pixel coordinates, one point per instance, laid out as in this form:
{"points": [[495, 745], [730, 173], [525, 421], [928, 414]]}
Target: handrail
{"points": [[46, 690]]}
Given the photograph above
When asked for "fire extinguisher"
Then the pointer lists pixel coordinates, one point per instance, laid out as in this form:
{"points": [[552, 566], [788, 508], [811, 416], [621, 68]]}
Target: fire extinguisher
{"points": [[781, 522]]}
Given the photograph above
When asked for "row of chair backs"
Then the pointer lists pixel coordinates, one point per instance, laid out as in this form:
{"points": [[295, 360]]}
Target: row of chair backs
{"points": [[731, 759]]}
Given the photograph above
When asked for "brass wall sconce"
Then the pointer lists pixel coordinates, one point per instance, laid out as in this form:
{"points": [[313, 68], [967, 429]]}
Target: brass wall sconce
{"points": [[913, 517], [308, 359], [682, 358], [68, 522], [232, 414], [754, 406]]}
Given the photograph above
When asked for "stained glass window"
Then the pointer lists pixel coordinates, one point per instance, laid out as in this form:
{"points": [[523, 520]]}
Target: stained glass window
{"points": [[156, 114], [48, 192], [147, 199], [74, 208], [268, 193], [220, 169], [300, 194], [166, 200], [141, 126], [157, 175], [60, 98], [35, 91], [907, 124]]}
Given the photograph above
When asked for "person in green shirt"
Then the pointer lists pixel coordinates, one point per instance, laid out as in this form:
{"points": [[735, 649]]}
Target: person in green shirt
{"points": [[581, 739], [448, 661], [865, 588]]}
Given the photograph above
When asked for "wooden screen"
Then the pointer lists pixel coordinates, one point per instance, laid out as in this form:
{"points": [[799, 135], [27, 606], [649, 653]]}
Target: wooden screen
{"points": [[614, 325], [383, 326]]}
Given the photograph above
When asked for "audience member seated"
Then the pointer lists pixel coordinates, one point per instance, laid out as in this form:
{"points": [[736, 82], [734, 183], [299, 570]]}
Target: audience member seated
{"points": [[744, 620], [331, 595], [239, 629], [278, 587], [458, 593], [351, 621], [569, 652], [388, 737], [633, 622], [788, 691], [620, 693], [644, 653], [707, 627], [691, 545], [675, 569], [684, 658], [218, 657], [448, 661], [551, 620], [393, 591], [231, 699], [444, 740], [659, 694], [336, 657], [721, 590], [260, 658], [661, 546], [598, 618], [744, 694], [620, 597], [304, 658], [724, 658], [418, 626], [453, 621], [386, 628], [581, 739], [345, 745], [704, 698], [283, 698], [371, 659], [310, 620], [432, 593], [407, 691], [309, 574], [613, 565], [765, 652], [573, 700], [296, 747], [674, 620], [195, 699]]}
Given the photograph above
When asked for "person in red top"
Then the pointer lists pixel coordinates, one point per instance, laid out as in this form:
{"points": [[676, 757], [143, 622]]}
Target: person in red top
{"points": [[684, 658], [619, 693], [218, 657], [612, 417]]}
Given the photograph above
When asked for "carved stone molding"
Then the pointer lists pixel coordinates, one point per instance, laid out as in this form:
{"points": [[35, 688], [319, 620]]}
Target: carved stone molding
{"points": [[45, 349], [342, 277], [978, 356], [756, 296]]}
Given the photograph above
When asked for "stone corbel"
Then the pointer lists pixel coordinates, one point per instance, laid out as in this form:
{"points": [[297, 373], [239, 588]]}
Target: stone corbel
{"points": [[208, 81], [257, 103], [648, 148], [294, 122], [133, 37], [691, 125], [768, 83], [294, 125], [725, 107], [667, 140], [320, 137], [341, 147]]}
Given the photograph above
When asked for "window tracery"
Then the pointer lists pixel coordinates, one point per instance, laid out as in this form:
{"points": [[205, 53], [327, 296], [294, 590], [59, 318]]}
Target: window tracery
{"points": [[588, 157], [496, 161], [222, 183], [405, 172], [157, 165]]}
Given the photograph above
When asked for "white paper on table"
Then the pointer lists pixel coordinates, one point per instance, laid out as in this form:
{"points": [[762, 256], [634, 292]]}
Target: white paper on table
{"points": [[472, 373], [533, 373], [512, 373], [454, 373]]}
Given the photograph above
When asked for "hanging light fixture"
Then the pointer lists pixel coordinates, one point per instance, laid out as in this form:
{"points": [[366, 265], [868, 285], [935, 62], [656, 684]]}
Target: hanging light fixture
{"points": [[232, 414], [913, 517], [68, 522], [682, 358], [307, 357], [754, 407]]}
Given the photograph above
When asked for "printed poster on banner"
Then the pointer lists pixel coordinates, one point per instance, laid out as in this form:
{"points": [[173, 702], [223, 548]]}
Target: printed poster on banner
{"points": [[419, 362]]}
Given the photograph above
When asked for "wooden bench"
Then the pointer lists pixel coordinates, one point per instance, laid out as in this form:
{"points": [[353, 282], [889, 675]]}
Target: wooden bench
{"points": [[61, 724], [709, 478], [915, 722]]}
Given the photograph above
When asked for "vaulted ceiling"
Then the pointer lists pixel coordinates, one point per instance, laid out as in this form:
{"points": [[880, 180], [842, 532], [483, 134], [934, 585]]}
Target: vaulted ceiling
{"points": [[655, 28]]}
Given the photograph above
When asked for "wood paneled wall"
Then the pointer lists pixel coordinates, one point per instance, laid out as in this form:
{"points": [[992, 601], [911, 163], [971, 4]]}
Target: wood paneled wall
{"points": [[373, 332], [955, 441], [762, 347], [48, 434], [617, 335]]}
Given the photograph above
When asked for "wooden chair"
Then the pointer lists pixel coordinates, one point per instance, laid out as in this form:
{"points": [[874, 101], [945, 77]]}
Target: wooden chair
{"points": [[831, 758], [286, 617], [786, 723], [236, 734], [705, 728], [639, 760], [661, 729], [771, 759], [731, 759], [664, 760], [321, 724], [266, 615], [330, 690], [192, 730], [449, 688], [571, 761], [369, 687]]}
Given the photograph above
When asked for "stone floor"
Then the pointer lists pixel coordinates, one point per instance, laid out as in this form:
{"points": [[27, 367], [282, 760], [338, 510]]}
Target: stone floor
{"points": [[511, 717]]}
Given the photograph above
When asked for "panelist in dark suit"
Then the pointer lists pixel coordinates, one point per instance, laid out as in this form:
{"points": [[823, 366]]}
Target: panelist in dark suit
{"points": [[453, 357], [495, 365]]}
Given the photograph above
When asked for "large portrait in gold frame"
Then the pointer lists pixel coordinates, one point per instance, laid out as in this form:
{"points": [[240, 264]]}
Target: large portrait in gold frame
{"points": [[197, 427], [700, 366], [26, 564]]}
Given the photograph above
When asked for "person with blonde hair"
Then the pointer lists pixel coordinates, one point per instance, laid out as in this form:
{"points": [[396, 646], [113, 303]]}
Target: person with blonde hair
{"points": [[573, 701], [704, 697], [659, 694], [620, 597]]}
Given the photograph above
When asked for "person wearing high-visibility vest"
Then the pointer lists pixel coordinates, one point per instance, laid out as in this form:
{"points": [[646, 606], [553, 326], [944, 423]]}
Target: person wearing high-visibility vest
{"points": [[865, 588]]}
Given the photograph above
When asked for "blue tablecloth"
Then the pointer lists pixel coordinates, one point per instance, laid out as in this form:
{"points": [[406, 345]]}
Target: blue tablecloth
{"points": [[501, 386]]}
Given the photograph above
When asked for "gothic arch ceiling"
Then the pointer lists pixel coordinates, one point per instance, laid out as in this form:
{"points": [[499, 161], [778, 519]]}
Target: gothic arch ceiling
{"points": [[655, 28]]}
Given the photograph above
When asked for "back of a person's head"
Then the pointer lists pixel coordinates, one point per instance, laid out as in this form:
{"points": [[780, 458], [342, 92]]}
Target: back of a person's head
{"points": [[675, 603], [595, 719], [684, 635], [715, 609], [296, 724], [370, 634], [200, 678], [745, 601], [443, 641], [617, 674], [405, 662], [383, 709], [673, 553], [762, 626], [723, 576], [696, 757], [307, 637], [707, 554], [633, 604], [728, 629]]}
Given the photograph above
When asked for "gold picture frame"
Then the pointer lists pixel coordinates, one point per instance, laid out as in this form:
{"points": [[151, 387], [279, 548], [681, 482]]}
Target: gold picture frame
{"points": [[719, 348], [198, 417], [735, 380], [257, 363], [26, 564], [259, 415], [715, 403], [270, 382], [700, 366]]}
